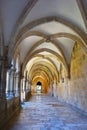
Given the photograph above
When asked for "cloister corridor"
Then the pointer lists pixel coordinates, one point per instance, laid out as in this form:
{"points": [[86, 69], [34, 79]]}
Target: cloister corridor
{"points": [[43, 64], [43, 112]]}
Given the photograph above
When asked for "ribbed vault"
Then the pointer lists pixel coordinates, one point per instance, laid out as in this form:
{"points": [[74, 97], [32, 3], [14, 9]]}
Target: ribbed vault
{"points": [[42, 52], [44, 46]]}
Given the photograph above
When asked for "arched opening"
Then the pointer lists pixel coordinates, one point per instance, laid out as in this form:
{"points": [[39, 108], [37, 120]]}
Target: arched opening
{"points": [[39, 87]]}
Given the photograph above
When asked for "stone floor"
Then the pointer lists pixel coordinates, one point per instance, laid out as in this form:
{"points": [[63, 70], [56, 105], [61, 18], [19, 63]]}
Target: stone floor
{"points": [[46, 113]]}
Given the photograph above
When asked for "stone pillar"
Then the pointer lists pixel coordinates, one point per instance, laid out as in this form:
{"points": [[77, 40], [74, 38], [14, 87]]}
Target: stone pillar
{"points": [[29, 85], [21, 90], [51, 89], [18, 80], [57, 88], [12, 82], [8, 83], [0, 80], [54, 88], [17, 83], [26, 85], [24, 89], [3, 79]]}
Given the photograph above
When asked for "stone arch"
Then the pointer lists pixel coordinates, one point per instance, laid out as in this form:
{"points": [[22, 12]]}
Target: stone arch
{"points": [[51, 64], [53, 18], [39, 83], [50, 51], [49, 74], [41, 67], [46, 20], [55, 43], [43, 74], [37, 72], [21, 18], [43, 88]]}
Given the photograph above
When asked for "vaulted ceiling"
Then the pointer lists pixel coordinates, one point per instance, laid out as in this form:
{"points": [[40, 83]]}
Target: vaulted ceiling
{"points": [[44, 32]]}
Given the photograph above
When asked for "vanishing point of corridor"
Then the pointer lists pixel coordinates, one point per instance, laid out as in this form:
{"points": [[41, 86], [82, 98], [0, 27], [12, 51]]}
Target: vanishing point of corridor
{"points": [[44, 112]]}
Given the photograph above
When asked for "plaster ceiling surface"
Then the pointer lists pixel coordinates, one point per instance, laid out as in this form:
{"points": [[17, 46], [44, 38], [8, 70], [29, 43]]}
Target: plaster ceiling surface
{"points": [[49, 29], [67, 9], [56, 62], [53, 27], [67, 47], [26, 44], [11, 10], [48, 45], [65, 44], [45, 53]]}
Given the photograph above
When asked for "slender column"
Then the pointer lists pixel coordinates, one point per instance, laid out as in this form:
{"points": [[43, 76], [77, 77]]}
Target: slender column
{"points": [[29, 85], [3, 78], [24, 89], [21, 90], [17, 83], [8, 83], [54, 88], [57, 87], [51, 89], [26, 85], [12, 82], [21, 85]]}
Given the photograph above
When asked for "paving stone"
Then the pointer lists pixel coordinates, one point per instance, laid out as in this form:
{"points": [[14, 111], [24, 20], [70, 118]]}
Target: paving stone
{"points": [[47, 113]]}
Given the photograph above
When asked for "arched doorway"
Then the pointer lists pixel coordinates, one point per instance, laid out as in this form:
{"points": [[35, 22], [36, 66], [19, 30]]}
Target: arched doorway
{"points": [[39, 87]]}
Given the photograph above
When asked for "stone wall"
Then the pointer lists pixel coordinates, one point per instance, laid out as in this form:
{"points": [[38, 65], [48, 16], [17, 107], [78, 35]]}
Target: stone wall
{"points": [[8, 109], [74, 90]]}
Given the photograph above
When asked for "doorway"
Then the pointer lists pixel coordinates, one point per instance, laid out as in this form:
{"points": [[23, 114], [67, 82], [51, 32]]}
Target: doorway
{"points": [[39, 87]]}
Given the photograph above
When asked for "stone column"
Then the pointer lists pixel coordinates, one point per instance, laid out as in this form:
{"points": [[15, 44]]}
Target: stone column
{"points": [[12, 83], [0, 80], [29, 85], [54, 88], [21, 90], [57, 88], [51, 89], [18, 80], [24, 92], [8, 83], [26, 85], [3, 79], [17, 83]]}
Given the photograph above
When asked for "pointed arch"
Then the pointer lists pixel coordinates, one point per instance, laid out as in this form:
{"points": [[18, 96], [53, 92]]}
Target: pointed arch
{"points": [[56, 55]]}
